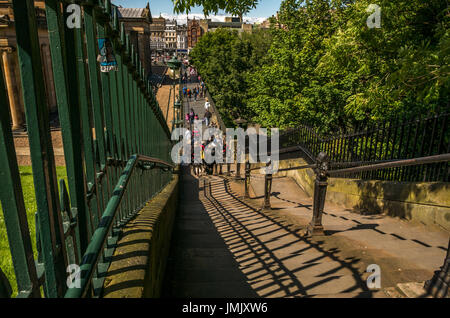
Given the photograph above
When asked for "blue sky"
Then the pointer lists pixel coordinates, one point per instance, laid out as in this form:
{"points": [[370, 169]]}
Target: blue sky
{"points": [[266, 8]]}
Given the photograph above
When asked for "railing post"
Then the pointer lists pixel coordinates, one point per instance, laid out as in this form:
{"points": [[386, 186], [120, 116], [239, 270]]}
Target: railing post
{"points": [[247, 178], [438, 286], [5, 286], [267, 189], [228, 169], [320, 191], [238, 171]]}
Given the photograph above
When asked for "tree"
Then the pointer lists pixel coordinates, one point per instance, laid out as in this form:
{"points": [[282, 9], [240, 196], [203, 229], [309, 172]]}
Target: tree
{"points": [[322, 64], [234, 7], [226, 61], [325, 67]]}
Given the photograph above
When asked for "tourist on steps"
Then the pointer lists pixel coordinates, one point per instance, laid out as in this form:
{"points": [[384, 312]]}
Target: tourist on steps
{"points": [[207, 104], [207, 117]]}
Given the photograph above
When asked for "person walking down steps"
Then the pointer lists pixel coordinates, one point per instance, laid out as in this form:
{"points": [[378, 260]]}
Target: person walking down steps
{"points": [[195, 93], [207, 104], [207, 117]]}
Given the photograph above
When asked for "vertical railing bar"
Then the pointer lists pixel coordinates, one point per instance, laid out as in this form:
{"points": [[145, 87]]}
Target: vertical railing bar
{"points": [[96, 100], [86, 222], [43, 164], [13, 205], [64, 63]]}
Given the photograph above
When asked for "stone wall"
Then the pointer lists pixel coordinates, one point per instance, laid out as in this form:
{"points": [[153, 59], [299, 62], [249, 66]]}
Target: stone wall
{"points": [[427, 202], [139, 262]]}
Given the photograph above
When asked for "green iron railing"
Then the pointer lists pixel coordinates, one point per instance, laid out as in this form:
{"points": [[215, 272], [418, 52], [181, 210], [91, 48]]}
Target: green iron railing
{"points": [[116, 147]]}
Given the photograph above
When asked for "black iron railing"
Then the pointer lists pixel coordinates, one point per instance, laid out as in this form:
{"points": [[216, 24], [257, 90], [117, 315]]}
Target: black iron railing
{"points": [[399, 139]]}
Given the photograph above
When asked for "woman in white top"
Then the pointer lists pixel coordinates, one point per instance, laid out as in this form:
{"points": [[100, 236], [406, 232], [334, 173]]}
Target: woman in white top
{"points": [[207, 105]]}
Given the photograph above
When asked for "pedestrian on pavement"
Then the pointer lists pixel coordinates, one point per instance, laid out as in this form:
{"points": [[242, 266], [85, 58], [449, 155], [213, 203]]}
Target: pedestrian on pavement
{"points": [[207, 104], [185, 91], [189, 93], [207, 117], [191, 116], [195, 94]]}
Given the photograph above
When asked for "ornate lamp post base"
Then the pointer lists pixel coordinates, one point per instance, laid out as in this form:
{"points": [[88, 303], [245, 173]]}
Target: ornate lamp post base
{"points": [[320, 192], [314, 230], [438, 286]]}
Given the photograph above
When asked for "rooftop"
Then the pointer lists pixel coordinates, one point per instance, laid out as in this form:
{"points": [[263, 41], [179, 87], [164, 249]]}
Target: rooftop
{"points": [[134, 13]]}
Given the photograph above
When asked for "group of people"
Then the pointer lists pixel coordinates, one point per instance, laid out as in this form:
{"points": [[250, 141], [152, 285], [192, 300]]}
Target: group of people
{"points": [[197, 92], [205, 167], [191, 117], [191, 76], [207, 117]]}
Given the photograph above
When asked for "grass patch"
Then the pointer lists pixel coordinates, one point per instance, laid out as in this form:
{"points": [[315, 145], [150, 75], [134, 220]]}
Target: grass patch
{"points": [[26, 177]]}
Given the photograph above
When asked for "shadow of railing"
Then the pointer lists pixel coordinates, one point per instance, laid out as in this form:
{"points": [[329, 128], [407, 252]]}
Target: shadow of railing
{"points": [[272, 270]]}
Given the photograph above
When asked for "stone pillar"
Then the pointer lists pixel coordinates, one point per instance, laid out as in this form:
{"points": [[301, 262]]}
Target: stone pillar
{"points": [[18, 121]]}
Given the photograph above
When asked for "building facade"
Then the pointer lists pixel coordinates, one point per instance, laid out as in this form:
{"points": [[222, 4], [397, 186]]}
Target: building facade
{"points": [[182, 39], [170, 36], [10, 62], [157, 35], [197, 28], [194, 33], [137, 23]]}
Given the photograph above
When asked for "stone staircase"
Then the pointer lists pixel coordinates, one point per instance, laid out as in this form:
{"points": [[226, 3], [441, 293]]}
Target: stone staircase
{"points": [[225, 247]]}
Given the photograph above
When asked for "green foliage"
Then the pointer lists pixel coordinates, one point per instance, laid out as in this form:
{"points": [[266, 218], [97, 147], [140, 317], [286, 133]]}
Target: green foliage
{"points": [[322, 65], [226, 61], [234, 7], [325, 67], [26, 177]]}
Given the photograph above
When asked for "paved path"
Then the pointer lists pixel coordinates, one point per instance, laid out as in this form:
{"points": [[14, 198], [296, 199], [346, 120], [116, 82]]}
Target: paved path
{"points": [[197, 105], [200, 263], [224, 246], [405, 251]]}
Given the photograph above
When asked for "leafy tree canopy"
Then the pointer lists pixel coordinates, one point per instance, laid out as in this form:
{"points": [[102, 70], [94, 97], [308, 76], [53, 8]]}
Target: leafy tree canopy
{"points": [[234, 7], [321, 64]]}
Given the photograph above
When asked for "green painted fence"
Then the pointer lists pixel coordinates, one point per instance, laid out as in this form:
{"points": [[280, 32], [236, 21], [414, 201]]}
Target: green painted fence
{"points": [[116, 146]]}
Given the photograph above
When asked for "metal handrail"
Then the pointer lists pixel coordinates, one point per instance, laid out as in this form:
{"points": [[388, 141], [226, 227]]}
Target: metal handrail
{"points": [[393, 164], [322, 171], [100, 236]]}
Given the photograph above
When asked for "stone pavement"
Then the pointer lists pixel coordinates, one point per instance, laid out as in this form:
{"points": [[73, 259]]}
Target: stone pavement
{"points": [[198, 106], [224, 246], [406, 252], [200, 264]]}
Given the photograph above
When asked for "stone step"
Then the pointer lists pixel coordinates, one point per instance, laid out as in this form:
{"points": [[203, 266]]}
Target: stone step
{"points": [[413, 290], [364, 294]]}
